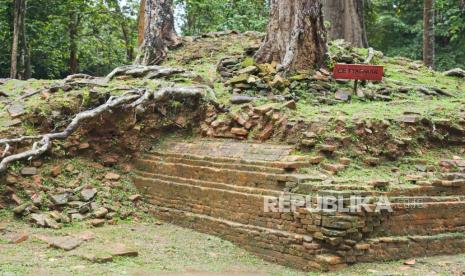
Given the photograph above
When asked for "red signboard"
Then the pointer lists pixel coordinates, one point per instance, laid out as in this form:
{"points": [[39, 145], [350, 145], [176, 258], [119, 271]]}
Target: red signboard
{"points": [[358, 72]]}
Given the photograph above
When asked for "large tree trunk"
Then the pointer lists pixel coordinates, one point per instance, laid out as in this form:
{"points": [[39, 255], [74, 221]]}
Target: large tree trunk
{"points": [[347, 21], [296, 37], [428, 33], [19, 48], [156, 31]]}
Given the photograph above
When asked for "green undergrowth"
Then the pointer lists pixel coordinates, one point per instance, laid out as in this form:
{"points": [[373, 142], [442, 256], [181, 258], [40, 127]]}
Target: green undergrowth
{"points": [[437, 108], [397, 75]]}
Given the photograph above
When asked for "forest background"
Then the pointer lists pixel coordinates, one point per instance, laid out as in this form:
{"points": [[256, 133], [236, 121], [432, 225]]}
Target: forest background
{"points": [[102, 34]]}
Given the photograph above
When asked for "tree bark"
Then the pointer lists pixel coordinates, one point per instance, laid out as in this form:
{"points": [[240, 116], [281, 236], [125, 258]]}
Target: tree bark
{"points": [[20, 57], [24, 53], [168, 31], [296, 37], [156, 30], [14, 47], [428, 33], [141, 23], [73, 47], [347, 21]]}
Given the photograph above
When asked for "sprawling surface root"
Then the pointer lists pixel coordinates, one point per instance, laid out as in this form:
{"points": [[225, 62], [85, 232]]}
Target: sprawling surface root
{"points": [[134, 100], [143, 71], [457, 72], [84, 80], [70, 82]]}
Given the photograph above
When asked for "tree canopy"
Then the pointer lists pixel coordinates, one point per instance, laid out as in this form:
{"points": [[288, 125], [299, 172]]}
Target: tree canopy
{"points": [[100, 42]]}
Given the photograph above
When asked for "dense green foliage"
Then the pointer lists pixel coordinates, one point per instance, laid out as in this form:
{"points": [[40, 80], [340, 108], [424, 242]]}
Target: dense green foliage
{"points": [[394, 27], [5, 36], [99, 40], [201, 16]]}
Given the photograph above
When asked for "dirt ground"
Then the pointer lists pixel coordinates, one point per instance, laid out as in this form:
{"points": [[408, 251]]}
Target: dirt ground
{"points": [[165, 249]]}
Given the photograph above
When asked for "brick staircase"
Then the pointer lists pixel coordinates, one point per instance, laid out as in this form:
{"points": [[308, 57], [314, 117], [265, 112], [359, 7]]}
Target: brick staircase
{"points": [[220, 187]]}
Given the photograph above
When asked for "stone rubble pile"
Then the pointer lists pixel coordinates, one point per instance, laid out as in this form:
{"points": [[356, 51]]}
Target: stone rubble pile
{"points": [[101, 201], [259, 122]]}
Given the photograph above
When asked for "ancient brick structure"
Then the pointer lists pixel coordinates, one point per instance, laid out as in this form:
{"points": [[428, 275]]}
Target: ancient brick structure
{"points": [[221, 188]]}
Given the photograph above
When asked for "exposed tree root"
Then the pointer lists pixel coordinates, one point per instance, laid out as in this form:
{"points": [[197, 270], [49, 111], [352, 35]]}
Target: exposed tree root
{"points": [[71, 78], [371, 55], [134, 99], [220, 34], [291, 48], [69, 83], [84, 80], [143, 71], [457, 72], [35, 92], [426, 90]]}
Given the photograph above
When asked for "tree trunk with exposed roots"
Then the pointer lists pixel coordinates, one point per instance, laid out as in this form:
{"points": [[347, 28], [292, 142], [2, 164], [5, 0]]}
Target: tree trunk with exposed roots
{"points": [[347, 21], [296, 37], [156, 31]]}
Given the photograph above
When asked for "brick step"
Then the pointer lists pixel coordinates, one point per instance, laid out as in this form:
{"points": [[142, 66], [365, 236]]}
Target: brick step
{"points": [[429, 190], [425, 199], [144, 176], [229, 176], [241, 207], [421, 216], [299, 251], [220, 163], [398, 200], [254, 165], [318, 186], [222, 188], [220, 148], [403, 247], [427, 218]]}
